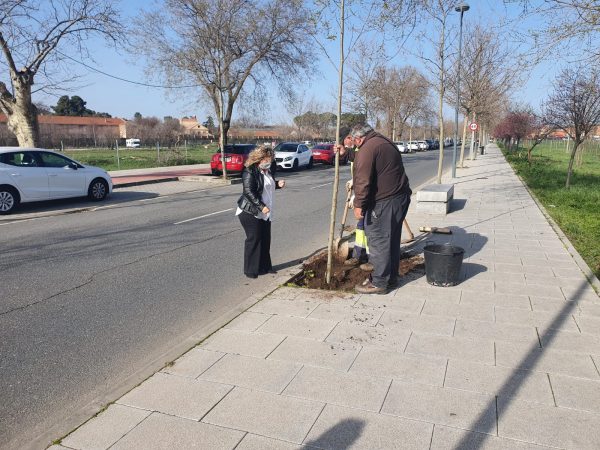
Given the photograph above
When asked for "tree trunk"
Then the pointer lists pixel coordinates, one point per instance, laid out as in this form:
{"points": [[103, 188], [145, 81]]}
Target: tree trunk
{"points": [[21, 113], [462, 144], [441, 104], [576, 144], [529, 152], [336, 180]]}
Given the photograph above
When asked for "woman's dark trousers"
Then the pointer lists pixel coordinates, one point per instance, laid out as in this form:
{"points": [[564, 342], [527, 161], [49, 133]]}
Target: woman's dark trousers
{"points": [[257, 247]]}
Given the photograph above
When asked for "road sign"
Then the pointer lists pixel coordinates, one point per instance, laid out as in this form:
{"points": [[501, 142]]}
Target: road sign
{"points": [[473, 126]]}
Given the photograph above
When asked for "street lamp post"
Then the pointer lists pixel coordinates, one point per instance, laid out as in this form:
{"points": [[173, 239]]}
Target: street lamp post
{"points": [[462, 8]]}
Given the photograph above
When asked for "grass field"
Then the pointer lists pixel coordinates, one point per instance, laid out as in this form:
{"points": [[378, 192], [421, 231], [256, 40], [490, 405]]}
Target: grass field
{"points": [[577, 210], [142, 158]]}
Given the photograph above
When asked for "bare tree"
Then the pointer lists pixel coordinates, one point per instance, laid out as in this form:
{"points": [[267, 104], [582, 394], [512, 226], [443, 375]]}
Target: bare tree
{"points": [[226, 47], [489, 70], [566, 27], [574, 106], [439, 12], [31, 34]]}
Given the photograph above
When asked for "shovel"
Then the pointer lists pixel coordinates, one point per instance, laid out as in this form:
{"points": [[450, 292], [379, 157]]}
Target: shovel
{"points": [[443, 230], [341, 248]]}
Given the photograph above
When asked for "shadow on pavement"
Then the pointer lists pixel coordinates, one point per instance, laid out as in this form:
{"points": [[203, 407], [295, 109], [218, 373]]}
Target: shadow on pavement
{"points": [[340, 436], [513, 384]]}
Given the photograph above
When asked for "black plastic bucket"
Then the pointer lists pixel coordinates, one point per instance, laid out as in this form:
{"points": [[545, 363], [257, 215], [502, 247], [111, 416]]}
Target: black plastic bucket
{"points": [[442, 264]]}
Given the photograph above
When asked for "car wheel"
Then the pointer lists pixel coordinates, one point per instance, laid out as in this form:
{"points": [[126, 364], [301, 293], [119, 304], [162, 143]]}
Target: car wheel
{"points": [[9, 199], [215, 172], [98, 190], [310, 163], [295, 165]]}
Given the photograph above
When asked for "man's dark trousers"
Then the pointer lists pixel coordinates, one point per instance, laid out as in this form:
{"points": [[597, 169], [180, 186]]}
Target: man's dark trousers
{"points": [[383, 227]]}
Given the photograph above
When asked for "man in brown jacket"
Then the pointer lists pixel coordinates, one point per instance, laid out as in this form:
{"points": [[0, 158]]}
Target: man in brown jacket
{"points": [[382, 196]]}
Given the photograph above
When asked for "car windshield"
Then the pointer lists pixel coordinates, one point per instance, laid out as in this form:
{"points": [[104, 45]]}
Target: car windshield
{"points": [[322, 147], [239, 149], [289, 148]]}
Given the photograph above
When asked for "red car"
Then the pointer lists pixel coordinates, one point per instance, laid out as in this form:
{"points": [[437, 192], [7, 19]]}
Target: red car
{"points": [[324, 153], [235, 157]]}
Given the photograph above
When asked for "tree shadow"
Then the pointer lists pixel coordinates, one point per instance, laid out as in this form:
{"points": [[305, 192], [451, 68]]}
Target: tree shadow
{"points": [[509, 390], [340, 436]]}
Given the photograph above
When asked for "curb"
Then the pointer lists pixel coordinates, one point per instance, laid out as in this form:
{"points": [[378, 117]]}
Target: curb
{"points": [[194, 178], [140, 183], [583, 266]]}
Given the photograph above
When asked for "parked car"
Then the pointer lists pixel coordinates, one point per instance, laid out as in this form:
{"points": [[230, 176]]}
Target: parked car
{"points": [[293, 155], [235, 157], [432, 143], [401, 147], [323, 153], [423, 145], [412, 146], [34, 174], [132, 143]]}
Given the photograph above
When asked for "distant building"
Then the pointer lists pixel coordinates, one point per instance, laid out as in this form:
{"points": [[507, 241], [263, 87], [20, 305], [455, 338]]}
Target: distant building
{"points": [[193, 128], [54, 129]]}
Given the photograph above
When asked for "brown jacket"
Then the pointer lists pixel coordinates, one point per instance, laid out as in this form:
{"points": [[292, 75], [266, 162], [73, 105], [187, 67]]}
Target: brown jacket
{"points": [[378, 172]]}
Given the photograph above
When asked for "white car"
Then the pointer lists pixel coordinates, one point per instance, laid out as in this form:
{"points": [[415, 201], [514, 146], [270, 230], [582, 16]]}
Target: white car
{"points": [[423, 145], [33, 174], [412, 146], [401, 147], [293, 155]]}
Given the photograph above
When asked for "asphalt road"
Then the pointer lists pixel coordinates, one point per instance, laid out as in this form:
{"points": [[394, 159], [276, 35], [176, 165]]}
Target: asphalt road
{"points": [[93, 302]]}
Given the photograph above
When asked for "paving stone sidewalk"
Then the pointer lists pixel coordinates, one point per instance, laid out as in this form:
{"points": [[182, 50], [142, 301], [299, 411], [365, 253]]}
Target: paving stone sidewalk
{"points": [[508, 359]]}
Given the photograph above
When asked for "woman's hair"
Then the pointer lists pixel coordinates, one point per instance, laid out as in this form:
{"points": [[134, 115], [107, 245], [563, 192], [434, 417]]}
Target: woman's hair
{"points": [[258, 154]]}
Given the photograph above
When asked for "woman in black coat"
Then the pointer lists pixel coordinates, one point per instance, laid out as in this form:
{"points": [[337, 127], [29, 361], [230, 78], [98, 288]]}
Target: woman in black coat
{"points": [[255, 208]]}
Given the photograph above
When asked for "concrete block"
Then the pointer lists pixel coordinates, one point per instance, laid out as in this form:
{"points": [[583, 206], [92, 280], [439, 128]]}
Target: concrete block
{"points": [[527, 357], [436, 193], [445, 438], [558, 319], [401, 366], [418, 323], [297, 326], [339, 388], [248, 321], [258, 345], [443, 406], [500, 381], [296, 307], [473, 329], [193, 363], [266, 414], [107, 428], [433, 207], [392, 338], [176, 396], [547, 425], [252, 373], [255, 442], [576, 393], [160, 431], [484, 312], [475, 299], [315, 353], [345, 428], [452, 347], [584, 343], [589, 324]]}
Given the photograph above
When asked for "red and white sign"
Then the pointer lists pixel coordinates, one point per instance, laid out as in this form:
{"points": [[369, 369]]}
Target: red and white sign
{"points": [[473, 126]]}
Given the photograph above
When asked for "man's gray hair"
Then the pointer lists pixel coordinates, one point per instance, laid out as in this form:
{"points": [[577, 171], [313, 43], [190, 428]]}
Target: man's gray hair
{"points": [[360, 130]]}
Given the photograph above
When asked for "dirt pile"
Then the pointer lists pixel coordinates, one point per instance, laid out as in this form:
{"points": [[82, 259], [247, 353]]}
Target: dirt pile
{"points": [[344, 278]]}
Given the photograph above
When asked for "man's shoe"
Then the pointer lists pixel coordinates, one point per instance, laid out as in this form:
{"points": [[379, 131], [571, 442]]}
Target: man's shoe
{"points": [[369, 288], [366, 267], [352, 262]]}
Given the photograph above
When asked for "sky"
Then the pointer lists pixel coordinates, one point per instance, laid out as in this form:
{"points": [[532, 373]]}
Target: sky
{"points": [[121, 99]]}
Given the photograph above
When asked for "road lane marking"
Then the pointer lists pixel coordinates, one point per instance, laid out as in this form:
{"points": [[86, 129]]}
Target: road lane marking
{"points": [[202, 217], [321, 185]]}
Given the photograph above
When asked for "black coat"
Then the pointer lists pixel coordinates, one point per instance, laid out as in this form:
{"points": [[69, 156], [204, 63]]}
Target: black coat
{"points": [[253, 184]]}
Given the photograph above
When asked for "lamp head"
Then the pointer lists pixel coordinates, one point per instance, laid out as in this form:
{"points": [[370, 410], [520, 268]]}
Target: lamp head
{"points": [[463, 7]]}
